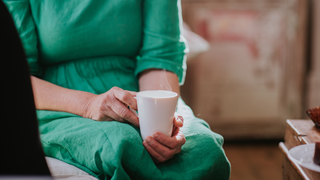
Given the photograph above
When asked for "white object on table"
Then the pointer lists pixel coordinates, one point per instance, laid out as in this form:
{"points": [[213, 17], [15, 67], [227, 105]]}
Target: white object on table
{"points": [[303, 155]]}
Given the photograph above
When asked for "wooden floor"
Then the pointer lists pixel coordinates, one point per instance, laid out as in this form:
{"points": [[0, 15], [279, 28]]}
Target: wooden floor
{"points": [[254, 161]]}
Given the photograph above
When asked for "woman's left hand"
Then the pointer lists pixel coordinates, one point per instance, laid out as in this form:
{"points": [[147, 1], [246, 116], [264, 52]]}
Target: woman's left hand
{"points": [[162, 147]]}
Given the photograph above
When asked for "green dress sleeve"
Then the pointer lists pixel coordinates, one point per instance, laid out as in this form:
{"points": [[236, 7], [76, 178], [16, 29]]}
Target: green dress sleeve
{"points": [[163, 46], [21, 14]]}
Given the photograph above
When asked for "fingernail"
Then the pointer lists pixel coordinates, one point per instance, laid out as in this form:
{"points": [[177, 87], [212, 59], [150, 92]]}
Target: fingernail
{"points": [[148, 139], [156, 135]]}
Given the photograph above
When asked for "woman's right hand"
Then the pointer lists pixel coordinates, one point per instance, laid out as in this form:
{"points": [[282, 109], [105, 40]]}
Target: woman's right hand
{"points": [[112, 105]]}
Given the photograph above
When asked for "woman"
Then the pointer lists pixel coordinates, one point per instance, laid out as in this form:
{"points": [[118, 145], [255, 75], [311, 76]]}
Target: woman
{"points": [[87, 59]]}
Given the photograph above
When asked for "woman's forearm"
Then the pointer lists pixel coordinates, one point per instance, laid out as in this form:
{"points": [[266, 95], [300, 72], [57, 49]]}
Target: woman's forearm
{"points": [[154, 79], [49, 96]]}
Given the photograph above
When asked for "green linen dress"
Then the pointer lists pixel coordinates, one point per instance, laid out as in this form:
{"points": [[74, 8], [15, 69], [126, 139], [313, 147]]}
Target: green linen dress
{"points": [[93, 45]]}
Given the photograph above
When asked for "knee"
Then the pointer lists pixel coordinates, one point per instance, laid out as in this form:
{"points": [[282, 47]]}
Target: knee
{"points": [[221, 165], [206, 146]]}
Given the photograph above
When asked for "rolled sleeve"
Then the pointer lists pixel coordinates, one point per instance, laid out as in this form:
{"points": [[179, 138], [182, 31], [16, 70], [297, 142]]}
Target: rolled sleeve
{"points": [[21, 14], [163, 45]]}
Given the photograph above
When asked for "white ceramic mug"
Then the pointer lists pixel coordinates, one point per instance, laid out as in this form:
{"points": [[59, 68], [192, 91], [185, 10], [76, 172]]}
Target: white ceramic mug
{"points": [[156, 110]]}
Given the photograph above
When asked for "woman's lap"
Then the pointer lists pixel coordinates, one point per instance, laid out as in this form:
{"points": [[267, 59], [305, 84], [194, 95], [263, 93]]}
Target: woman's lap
{"points": [[116, 149]]}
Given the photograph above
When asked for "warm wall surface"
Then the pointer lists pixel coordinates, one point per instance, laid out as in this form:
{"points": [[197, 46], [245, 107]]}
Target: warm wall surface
{"points": [[314, 76], [251, 78]]}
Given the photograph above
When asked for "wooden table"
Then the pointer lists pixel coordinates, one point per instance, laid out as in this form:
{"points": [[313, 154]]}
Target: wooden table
{"points": [[298, 132]]}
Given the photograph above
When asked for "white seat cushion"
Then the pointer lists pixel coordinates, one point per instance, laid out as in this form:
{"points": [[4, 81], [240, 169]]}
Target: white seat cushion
{"points": [[63, 171]]}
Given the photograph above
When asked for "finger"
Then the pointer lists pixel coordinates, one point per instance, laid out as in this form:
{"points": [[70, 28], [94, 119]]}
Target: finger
{"points": [[175, 131], [178, 121], [123, 112], [107, 114], [133, 93], [156, 157], [125, 97], [172, 142], [162, 150]]}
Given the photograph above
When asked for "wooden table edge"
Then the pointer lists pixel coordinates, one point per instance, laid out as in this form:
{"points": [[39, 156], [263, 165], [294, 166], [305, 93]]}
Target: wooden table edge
{"points": [[294, 164]]}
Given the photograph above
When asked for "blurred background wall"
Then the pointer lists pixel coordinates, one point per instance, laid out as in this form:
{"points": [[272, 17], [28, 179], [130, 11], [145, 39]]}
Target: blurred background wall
{"points": [[313, 86], [254, 74]]}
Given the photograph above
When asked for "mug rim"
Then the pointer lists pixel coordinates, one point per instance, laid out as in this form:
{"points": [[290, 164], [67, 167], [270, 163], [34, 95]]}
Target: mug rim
{"points": [[172, 94]]}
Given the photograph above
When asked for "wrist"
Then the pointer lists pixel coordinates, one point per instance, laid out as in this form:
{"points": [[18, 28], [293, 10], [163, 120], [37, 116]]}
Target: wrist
{"points": [[85, 109]]}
